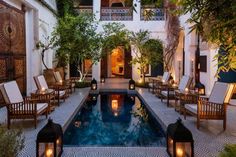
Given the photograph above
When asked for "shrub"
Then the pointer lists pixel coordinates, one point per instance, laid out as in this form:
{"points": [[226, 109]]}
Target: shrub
{"points": [[229, 151], [82, 84], [11, 142]]}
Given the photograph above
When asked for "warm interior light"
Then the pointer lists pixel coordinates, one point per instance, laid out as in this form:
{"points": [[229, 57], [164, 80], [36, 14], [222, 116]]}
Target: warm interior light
{"points": [[140, 81], [179, 152], [131, 86], [49, 153], [171, 141]]}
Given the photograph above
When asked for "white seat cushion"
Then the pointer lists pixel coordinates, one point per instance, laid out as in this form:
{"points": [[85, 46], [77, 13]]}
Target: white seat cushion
{"points": [[166, 77], [12, 92], [61, 92], [164, 93], [41, 107], [191, 107], [184, 83], [232, 102], [73, 85]]}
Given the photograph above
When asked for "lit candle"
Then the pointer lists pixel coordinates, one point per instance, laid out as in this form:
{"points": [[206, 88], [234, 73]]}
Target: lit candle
{"points": [[115, 114], [94, 86], [60, 81], [186, 90], [42, 89], [163, 81], [131, 86], [49, 153], [58, 141], [179, 152]]}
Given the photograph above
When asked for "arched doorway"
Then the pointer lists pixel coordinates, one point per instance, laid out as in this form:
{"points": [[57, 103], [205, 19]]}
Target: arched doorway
{"points": [[117, 63]]}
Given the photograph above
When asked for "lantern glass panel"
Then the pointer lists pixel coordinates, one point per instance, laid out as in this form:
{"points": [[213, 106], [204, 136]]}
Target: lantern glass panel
{"points": [[170, 146], [58, 143], [131, 86], [183, 149], [46, 150], [94, 86]]}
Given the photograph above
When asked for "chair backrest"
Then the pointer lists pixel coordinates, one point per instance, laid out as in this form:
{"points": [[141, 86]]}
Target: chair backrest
{"points": [[184, 83], [40, 82], [166, 77], [221, 92], [57, 76], [11, 92]]}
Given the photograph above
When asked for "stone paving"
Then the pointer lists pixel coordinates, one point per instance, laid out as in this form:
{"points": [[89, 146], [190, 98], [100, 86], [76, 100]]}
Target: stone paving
{"points": [[209, 140]]}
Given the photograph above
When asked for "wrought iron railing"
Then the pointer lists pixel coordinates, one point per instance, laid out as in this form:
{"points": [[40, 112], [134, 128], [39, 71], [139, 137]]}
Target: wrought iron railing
{"points": [[116, 14], [152, 14]]}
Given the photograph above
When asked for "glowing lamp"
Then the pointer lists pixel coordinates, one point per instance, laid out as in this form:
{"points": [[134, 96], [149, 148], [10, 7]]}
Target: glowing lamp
{"points": [[102, 79], [114, 105], [43, 89], [179, 140], [131, 84], [93, 84], [49, 141]]}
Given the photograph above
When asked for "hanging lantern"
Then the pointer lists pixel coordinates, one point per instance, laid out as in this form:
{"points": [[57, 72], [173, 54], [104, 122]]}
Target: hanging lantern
{"points": [[179, 140], [131, 84], [102, 79], [93, 84], [50, 140], [199, 88]]}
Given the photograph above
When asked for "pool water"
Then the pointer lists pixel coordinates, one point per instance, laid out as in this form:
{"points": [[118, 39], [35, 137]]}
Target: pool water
{"points": [[114, 120]]}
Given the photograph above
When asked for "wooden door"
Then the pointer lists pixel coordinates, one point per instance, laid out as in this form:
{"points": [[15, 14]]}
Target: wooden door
{"points": [[128, 66], [12, 45]]}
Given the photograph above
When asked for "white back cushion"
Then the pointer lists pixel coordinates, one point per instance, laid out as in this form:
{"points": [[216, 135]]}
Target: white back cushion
{"points": [[184, 83], [13, 92], [57, 76], [219, 92], [166, 76], [4, 93], [41, 82]]}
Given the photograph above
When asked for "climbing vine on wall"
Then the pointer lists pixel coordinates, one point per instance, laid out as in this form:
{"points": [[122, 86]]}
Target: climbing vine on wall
{"points": [[173, 32]]}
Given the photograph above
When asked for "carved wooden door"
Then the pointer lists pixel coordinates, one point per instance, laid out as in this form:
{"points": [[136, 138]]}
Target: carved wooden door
{"points": [[12, 45]]}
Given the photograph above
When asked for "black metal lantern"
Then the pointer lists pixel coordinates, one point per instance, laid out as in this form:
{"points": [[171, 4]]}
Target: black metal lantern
{"points": [[179, 140], [102, 79], [131, 84], [50, 140], [94, 84], [199, 88]]}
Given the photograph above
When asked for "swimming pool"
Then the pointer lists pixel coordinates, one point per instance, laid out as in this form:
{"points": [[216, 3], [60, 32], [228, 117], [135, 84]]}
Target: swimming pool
{"points": [[114, 120]]}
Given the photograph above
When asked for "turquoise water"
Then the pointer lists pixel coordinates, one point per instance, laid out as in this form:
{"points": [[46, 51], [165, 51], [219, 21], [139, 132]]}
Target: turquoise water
{"points": [[114, 120]]}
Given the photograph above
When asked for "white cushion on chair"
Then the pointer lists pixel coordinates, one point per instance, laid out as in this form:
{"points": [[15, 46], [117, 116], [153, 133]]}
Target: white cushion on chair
{"points": [[191, 107], [40, 80], [166, 76], [61, 92], [12, 92], [4, 94], [41, 107], [57, 76], [184, 83], [164, 93], [219, 92]]}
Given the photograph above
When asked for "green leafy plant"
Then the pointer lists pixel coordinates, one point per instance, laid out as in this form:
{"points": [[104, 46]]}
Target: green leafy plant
{"points": [[148, 51], [215, 21], [78, 40], [11, 142], [229, 151]]}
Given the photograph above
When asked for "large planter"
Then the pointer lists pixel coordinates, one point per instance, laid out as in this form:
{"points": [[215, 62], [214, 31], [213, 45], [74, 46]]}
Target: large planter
{"points": [[49, 76]]}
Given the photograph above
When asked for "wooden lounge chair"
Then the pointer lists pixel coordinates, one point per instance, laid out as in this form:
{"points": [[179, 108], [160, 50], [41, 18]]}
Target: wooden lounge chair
{"points": [[58, 78], [154, 81], [214, 107], [61, 91], [168, 91], [19, 107]]}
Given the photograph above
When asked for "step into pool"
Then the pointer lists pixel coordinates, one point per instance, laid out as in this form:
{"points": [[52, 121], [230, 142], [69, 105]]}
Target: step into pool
{"points": [[114, 120]]}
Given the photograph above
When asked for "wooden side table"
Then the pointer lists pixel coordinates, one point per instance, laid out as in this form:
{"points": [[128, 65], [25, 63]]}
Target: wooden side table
{"points": [[45, 96]]}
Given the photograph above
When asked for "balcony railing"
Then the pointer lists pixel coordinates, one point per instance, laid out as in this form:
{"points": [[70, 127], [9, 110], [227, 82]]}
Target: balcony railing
{"points": [[88, 10], [116, 14], [152, 14]]}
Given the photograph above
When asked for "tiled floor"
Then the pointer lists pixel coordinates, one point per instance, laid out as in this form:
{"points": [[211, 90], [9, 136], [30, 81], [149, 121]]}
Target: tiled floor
{"points": [[209, 140]]}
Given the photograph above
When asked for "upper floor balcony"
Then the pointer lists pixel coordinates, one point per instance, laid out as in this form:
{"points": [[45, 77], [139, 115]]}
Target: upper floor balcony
{"points": [[120, 10]]}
